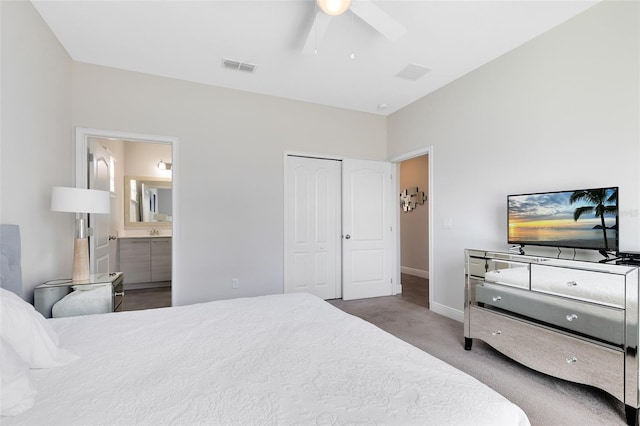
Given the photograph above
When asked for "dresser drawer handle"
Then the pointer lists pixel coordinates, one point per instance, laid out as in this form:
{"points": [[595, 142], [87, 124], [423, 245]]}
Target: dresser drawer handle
{"points": [[572, 284], [572, 317], [116, 294], [496, 333], [572, 360], [497, 298]]}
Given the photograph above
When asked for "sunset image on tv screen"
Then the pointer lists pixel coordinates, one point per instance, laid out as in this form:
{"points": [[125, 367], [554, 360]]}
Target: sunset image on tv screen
{"points": [[579, 219]]}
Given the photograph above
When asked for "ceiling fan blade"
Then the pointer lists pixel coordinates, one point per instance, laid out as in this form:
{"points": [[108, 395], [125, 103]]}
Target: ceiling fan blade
{"points": [[378, 19], [316, 33]]}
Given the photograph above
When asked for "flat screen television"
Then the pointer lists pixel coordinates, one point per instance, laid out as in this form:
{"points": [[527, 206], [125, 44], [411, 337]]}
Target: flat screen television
{"points": [[580, 219]]}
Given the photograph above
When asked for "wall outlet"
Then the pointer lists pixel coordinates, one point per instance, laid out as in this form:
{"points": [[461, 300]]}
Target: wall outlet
{"points": [[235, 283]]}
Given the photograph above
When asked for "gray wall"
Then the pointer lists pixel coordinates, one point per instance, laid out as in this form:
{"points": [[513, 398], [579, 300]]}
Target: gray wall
{"points": [[231, 147], [558, 113], [36, 142], [229, 171]]}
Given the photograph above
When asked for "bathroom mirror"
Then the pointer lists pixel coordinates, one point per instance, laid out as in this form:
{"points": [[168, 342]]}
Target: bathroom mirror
{"points": [[148, 202]]}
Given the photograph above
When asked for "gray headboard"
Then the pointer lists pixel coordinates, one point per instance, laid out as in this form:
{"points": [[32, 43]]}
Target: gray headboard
{"points": [[10, 269]]}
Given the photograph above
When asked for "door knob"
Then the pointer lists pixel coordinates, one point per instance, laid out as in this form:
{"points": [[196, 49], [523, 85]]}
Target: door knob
{"points": [[348, 237], [112, 237]]}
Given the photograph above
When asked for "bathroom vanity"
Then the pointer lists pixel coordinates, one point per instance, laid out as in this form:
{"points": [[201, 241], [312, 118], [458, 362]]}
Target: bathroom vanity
{"points": [[145, 261]]}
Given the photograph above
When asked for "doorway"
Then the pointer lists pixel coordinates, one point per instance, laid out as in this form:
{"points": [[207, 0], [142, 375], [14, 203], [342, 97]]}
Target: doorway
{"points": [[86, 141], [414, 230], [413, 271]]}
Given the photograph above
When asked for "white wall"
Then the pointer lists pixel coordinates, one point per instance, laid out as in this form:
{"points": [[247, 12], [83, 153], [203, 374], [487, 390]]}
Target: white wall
{"points": [[414, 225], [559, 113], [229, 171], [36, 142]]}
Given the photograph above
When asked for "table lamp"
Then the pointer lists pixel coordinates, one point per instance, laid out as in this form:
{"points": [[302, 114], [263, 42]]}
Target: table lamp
{"points": [[80, 200]]}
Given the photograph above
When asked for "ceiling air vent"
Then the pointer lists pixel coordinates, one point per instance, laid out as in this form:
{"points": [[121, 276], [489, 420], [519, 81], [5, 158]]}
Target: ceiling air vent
{"points": [[246, 67], [413, 72], [231, 64]]}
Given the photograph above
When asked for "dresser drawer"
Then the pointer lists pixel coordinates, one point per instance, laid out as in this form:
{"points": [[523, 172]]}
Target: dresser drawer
{"points": [[551, 352], [476, 266], [592, 286], [597, 321]]}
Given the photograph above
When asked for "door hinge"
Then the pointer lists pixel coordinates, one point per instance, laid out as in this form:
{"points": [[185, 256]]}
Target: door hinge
{"points": [[90, 157], [90, 232], [391, 229]]}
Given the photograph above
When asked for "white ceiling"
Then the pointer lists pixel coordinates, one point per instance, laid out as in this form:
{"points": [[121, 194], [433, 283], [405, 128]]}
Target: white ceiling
{"points": [[187, 40]]}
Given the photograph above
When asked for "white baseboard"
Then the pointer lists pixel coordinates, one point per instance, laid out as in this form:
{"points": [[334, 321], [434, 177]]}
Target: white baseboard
{"points": [[448, 312], [397, 289], [415, 272]]}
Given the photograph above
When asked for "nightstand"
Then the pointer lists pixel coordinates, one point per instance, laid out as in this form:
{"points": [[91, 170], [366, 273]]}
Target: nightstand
{"points": [[47, 294]]}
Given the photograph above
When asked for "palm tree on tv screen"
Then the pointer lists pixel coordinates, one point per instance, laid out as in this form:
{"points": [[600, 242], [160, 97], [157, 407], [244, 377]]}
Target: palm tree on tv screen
{"points": [[598, 198]]}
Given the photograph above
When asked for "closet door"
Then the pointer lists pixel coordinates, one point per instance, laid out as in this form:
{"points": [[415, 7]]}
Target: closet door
{"points": [[312, 227], [368, 203]]}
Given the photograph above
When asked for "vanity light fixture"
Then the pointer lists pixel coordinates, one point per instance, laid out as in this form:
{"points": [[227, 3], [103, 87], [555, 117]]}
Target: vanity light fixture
{"points": [[164, 166], [80, 201]]}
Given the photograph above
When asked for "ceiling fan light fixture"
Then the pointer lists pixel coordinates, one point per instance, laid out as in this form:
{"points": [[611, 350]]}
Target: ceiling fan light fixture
{"points": [[334, 7]]}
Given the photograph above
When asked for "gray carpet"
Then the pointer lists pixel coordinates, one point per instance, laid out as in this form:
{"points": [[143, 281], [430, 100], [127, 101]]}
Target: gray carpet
{"points": [[545, 400]]}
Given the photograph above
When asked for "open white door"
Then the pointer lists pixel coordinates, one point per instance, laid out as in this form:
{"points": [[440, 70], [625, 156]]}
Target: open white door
{"points": [[99, 178], [367, 245], [312, 227]]}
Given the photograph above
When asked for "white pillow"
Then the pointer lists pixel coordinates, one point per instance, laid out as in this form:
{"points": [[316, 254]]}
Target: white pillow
{"points": [[17, 393], [29, 334]]}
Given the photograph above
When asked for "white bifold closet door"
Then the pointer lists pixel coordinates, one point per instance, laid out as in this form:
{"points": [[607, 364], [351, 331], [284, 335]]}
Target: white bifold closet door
{"points": [[338, 227], [312, 227]]}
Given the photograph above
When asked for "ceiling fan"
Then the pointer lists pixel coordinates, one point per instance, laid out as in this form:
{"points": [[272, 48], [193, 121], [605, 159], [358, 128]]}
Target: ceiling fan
{"points": [[364, 9]]}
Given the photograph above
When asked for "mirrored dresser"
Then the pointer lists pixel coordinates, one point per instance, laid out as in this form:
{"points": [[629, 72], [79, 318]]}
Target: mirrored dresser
{"points": [[570, 319]]}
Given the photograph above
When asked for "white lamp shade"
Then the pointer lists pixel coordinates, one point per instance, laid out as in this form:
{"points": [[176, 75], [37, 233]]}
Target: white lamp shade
{"points": [[334, 7], [79, 200]]}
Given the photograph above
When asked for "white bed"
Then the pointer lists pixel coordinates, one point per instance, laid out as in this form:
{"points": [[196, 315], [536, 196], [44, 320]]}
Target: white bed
{"points": [[270, 360], [282, 359]]}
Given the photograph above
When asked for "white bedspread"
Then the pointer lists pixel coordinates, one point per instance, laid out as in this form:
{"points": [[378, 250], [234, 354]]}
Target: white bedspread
{"points": [[271, 360]]}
